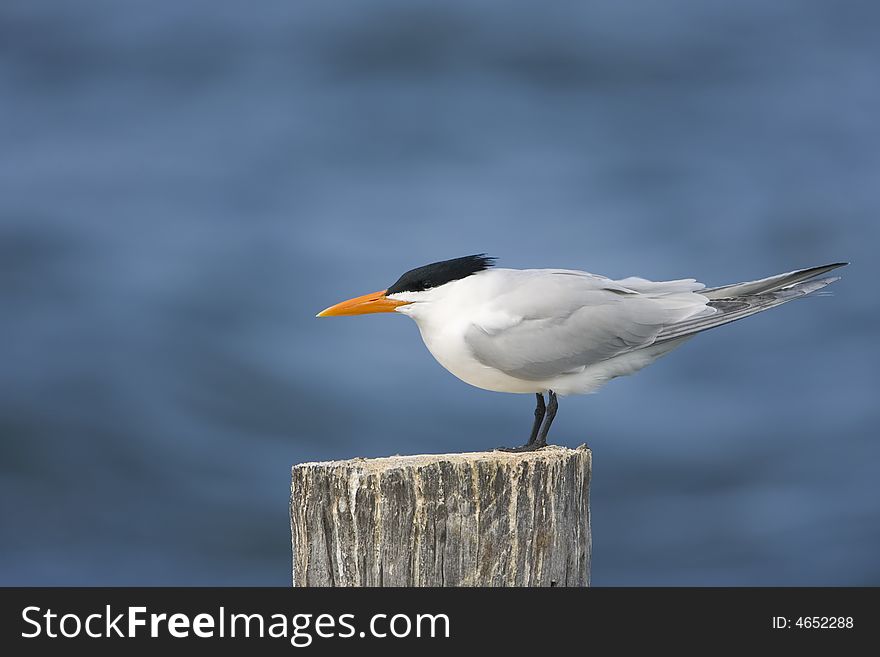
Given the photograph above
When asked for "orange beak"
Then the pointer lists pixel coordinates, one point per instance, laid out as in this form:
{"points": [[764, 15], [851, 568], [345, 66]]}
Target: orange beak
{"points": [[376, 302]]}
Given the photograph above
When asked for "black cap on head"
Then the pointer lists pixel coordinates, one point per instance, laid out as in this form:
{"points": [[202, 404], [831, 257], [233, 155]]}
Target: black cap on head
{"points": [[439, 273]]}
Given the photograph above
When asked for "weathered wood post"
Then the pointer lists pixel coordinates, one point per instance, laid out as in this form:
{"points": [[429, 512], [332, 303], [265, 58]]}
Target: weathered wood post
{"points": [[476, 519]]}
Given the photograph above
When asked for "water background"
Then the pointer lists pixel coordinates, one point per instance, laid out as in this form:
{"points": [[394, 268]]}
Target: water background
{"points": [[183, 185]]}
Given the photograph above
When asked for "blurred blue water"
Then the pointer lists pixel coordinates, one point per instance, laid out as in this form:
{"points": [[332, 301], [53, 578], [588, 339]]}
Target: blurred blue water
{"points": [[183, 185]]}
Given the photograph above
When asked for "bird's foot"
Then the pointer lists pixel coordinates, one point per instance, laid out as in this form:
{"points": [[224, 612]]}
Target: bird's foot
{"points": [[528, 447]]}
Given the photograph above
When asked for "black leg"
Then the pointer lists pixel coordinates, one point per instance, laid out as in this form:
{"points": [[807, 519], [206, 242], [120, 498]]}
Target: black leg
{"points": [[543, 415], [540, 409], [551, 413]]}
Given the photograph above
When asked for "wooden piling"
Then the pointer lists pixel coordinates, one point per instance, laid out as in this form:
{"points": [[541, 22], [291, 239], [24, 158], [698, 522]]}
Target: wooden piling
{"points": [[474, 519]]}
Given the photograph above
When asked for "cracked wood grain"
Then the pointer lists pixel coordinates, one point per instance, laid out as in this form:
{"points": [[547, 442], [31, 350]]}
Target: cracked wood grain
{"points": [[474, 519]]}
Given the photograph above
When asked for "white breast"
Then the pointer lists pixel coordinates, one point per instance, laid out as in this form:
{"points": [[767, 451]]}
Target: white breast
{"points": [[527, 331], [445, 314]]}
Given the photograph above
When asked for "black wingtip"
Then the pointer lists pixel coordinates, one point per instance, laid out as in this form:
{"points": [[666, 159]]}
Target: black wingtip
{"points": [[821, 269]]}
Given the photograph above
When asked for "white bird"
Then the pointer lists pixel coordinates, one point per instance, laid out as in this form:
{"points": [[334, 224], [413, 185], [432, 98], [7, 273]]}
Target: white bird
{"points": [[561, 331]]}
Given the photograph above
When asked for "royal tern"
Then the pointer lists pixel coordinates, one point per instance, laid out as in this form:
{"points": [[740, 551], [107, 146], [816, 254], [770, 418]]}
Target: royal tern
{"points": [[561, 331]]}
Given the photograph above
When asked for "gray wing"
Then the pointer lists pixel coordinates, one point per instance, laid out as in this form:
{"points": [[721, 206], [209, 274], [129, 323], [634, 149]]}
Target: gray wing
{"points": [[769, 284], [552, 322], [731, 309]]}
